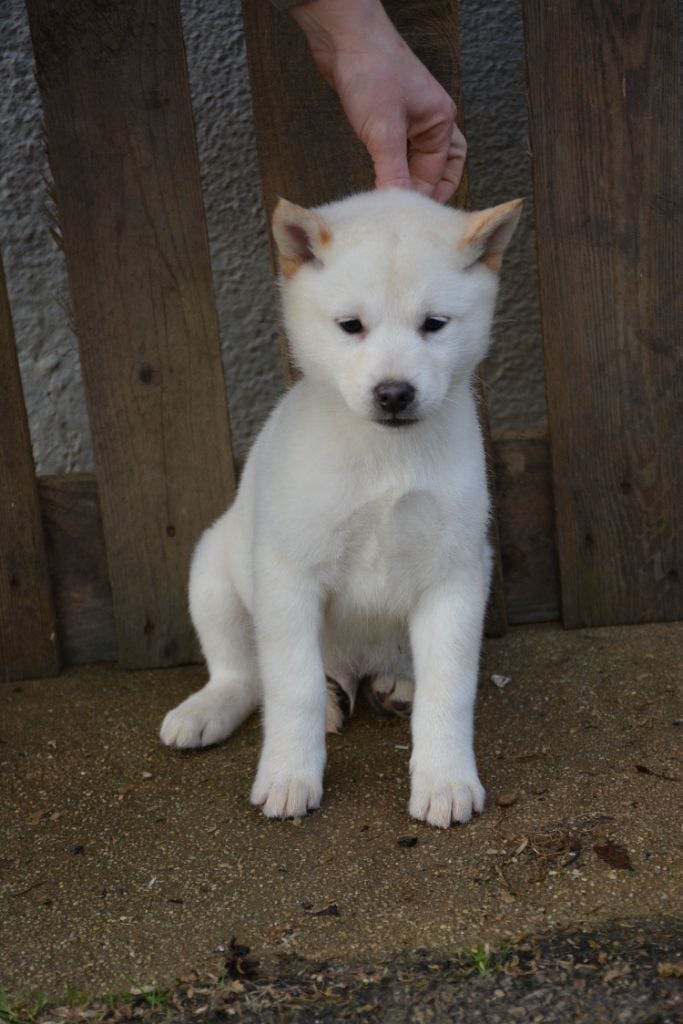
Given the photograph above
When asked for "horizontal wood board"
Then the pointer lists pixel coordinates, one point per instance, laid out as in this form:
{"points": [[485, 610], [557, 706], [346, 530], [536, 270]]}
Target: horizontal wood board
{"points": [[78, 563], [72, 520], [526, 526]]}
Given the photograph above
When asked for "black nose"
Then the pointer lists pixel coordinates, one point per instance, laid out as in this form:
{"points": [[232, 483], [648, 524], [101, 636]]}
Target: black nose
{"points": [[394, 395]]}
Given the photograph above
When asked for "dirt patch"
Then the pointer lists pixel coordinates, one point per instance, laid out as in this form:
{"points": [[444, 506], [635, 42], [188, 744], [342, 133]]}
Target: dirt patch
{"points": [[123, 863]]}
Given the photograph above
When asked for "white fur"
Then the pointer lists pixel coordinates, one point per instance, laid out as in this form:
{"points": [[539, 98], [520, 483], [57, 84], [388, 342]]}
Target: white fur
{"points": [[351, 543]]}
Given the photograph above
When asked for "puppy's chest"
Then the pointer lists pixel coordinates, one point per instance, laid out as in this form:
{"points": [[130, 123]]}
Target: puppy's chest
{"points": [[389, 550]]}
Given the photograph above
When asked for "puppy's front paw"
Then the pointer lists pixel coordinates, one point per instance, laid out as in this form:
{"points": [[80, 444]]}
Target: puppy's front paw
{"points": [[443, 798], [286, 794], [204, 718]]}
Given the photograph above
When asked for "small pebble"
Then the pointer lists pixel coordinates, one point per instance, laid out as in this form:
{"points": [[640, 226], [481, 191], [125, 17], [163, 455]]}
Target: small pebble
{"points": [[407, 841], [506, 799]]}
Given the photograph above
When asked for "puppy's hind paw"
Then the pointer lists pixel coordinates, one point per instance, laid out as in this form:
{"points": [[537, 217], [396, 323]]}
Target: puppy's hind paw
{"points": [[339, 705], [389, 695], [441, 801]]}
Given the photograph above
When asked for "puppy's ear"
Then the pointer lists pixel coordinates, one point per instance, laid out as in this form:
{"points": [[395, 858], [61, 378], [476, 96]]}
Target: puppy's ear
{"points": [[488, 233], [300, 235]]}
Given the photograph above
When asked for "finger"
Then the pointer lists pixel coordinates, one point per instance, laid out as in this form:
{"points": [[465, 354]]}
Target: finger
{"points": [[390, 161], [452, 176], [455, 164], [429, 155], [426, 170]]}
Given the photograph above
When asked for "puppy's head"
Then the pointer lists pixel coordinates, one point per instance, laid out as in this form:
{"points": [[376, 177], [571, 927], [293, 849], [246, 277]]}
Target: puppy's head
{"points": [[388, 297]]}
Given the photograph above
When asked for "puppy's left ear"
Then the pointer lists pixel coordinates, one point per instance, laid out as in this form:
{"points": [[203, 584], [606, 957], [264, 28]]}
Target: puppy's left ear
{"points": [[300, 236], [488, 233]]}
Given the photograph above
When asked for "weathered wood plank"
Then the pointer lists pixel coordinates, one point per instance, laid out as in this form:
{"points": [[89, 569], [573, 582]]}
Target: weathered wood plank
{"points": [[28, 639], [606, 142], [72, 522], [118, 122], [526, 524], [307, 151]]}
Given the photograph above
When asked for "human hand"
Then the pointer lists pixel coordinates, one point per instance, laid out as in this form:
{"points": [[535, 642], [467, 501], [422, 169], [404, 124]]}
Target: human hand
{"points": [[399, 111]]}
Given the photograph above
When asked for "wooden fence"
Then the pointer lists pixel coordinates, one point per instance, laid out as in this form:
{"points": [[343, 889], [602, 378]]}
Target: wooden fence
{"points": [[589, 514]]}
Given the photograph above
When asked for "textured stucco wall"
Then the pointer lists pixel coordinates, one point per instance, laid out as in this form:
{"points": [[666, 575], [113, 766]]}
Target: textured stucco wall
{"points": [[34, 268], [492, 57], [496, 128]]}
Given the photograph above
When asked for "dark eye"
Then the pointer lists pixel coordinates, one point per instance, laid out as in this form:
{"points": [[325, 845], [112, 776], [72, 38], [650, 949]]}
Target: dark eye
{"points": [[432, 324], [351, 326]]}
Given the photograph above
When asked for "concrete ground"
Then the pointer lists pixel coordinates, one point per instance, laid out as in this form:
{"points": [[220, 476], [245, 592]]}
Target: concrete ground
{"points": [[124, 862]]}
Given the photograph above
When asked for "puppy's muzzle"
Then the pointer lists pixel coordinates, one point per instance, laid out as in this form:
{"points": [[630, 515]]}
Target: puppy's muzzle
{"points": [[394, 400]]}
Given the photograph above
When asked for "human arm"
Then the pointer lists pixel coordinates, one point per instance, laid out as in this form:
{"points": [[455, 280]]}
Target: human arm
{"points": [[403, 116]]}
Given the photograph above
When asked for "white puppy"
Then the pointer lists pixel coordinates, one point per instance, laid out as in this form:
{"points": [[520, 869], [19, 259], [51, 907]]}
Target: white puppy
{"points": [[358, 536]]}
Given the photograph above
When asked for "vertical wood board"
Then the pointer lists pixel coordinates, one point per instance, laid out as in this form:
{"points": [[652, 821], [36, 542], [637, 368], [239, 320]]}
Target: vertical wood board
{"points": [[122, 151], [28, 640], [308, 153], [606, 140]]}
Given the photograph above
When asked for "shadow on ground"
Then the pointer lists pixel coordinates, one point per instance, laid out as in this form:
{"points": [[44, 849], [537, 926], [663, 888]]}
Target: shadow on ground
{"points": [[124, 863]]}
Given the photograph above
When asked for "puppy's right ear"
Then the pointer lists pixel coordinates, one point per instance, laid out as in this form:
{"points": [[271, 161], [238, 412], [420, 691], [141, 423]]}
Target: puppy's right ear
{"points": [[300, 235]]}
